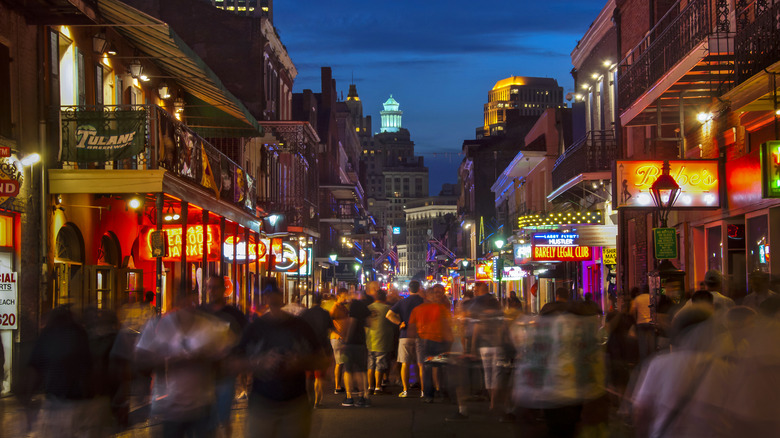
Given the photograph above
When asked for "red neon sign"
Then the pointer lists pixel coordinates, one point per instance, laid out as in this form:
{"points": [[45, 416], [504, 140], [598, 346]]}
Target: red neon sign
{"points": [[562, 253], [194, 245]]}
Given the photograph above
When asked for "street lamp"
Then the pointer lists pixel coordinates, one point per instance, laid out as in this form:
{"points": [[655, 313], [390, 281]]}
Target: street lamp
{"points": [[465, 277], [357, 277], [333, 258], [499, 243], [665, 192]]}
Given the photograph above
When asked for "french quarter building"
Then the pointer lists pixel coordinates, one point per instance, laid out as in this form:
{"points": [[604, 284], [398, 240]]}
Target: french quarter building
{"points": [[711, 111]]}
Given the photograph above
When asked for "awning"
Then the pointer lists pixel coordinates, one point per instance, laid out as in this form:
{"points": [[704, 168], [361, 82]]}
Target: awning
{"points": [[156, 39], [344, 192], [589, 176], [99, 181]]}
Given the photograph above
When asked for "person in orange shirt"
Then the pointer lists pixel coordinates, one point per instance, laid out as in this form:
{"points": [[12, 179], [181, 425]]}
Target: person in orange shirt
{"points": [[431, 324]]}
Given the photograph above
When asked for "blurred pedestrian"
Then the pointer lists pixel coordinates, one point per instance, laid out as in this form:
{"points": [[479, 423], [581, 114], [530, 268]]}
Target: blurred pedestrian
{"points": [[758, 282], [407, 351], [488, 334], [356, 353], [645, 329], [339, 313], [61, 361], [431, 324], [226, 378], [379, 339], [183, 348], [278, 348], [320, 321]]}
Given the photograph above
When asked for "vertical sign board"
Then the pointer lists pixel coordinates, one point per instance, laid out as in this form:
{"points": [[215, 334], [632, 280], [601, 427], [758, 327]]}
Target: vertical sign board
{"points": [[770, 169], [665, 243], [8, 301]]}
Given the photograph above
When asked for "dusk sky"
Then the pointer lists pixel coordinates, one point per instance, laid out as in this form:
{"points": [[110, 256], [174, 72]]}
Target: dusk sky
{"points": [[437, 58]]}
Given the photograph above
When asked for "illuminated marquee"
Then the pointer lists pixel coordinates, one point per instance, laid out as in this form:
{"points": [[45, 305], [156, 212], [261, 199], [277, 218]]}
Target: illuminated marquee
{"points": [[194, 246], [698, 180], [562, 253]]}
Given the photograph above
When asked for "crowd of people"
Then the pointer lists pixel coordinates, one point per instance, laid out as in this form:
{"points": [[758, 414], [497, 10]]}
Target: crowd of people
{"points": [[702, 367]]}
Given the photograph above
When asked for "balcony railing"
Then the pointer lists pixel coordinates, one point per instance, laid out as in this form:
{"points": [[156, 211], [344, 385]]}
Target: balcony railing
{"points": [[593, 153], [148, 137], [757, 42], [670, 40]]}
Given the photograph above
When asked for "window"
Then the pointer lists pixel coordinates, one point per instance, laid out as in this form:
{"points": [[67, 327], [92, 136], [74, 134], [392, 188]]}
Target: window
{"points": [[5, 91]]}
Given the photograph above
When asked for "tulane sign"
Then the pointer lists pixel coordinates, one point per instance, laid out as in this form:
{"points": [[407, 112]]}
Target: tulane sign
{"points": [[102, 136]]}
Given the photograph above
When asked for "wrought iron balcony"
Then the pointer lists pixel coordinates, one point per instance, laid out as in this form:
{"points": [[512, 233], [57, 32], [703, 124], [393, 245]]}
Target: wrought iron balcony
{"points": [[146, 137], [757, 42], [670, 40], [593, 153]]}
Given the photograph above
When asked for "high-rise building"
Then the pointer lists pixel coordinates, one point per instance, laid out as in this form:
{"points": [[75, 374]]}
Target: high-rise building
{"points": [[518, 96], [391, 116], [393, 174], [255, 8]]}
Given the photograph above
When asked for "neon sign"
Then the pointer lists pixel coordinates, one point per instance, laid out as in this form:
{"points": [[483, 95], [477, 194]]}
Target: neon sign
{"points": [[194, 245], [562, 253], [698, 179], [254, 249], [770, 169], [484, 271], [555, 239]]}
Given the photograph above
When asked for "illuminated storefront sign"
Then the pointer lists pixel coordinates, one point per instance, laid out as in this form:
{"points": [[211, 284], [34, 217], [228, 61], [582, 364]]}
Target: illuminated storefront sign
{"points": [[522, 252], [288, 259], [484, 270], [562, 253], [698, 180], [254, 249], [555, 239], [770, 169], [513, 273], [194, 245]]}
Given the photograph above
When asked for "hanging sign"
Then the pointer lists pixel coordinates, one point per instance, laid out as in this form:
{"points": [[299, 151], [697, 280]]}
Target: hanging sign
{"points": [[665, 243], [102, 136], [770, 169], [8, 301], [484, 270], [698, 180], [11, 178], [194, 243], [609, 256], [522, 252]]}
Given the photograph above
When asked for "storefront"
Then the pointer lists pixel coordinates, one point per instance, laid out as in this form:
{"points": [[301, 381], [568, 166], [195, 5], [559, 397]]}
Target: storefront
{"points": [[739, 239], [155, 208]]}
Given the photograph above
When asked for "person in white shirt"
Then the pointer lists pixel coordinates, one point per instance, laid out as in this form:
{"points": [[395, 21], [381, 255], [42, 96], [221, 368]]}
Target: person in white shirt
{"points": [[645, 329]]}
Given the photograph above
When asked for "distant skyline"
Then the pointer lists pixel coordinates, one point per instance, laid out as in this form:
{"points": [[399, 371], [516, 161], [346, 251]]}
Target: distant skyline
{"points": [[437, 58]]}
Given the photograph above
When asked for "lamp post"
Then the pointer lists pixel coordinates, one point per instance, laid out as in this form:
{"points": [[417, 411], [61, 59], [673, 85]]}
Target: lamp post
{"points": [[665, 192], [357, 277], [465, 277], [333, 258], [499, 243]]}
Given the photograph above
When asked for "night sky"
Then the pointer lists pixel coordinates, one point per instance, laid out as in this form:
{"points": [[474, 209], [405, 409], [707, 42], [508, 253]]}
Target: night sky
{"points": [[437, 58]]}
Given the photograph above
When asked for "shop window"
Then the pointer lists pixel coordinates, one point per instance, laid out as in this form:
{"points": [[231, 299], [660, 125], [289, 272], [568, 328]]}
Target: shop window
{"points": [[714, 249], [758, 244]]}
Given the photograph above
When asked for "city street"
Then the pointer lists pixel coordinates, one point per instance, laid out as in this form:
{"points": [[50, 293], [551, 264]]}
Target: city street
{"points": [[389, 416]]}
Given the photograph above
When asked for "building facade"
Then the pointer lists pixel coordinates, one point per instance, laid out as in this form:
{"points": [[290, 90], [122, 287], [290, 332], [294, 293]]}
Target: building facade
{"points": [[518, 96]]}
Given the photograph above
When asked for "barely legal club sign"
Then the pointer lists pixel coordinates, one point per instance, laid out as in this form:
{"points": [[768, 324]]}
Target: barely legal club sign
{"points": [[698, 180], [562, 247]]}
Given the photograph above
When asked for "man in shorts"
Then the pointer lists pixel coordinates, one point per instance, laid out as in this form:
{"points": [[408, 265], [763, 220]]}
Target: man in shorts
{"points": [[356, 354], [339, 313], [379, 339], [399, 315]]}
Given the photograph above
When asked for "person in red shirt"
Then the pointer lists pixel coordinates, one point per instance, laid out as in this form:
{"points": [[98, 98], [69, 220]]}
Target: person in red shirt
{"points": [[431, 324]]}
